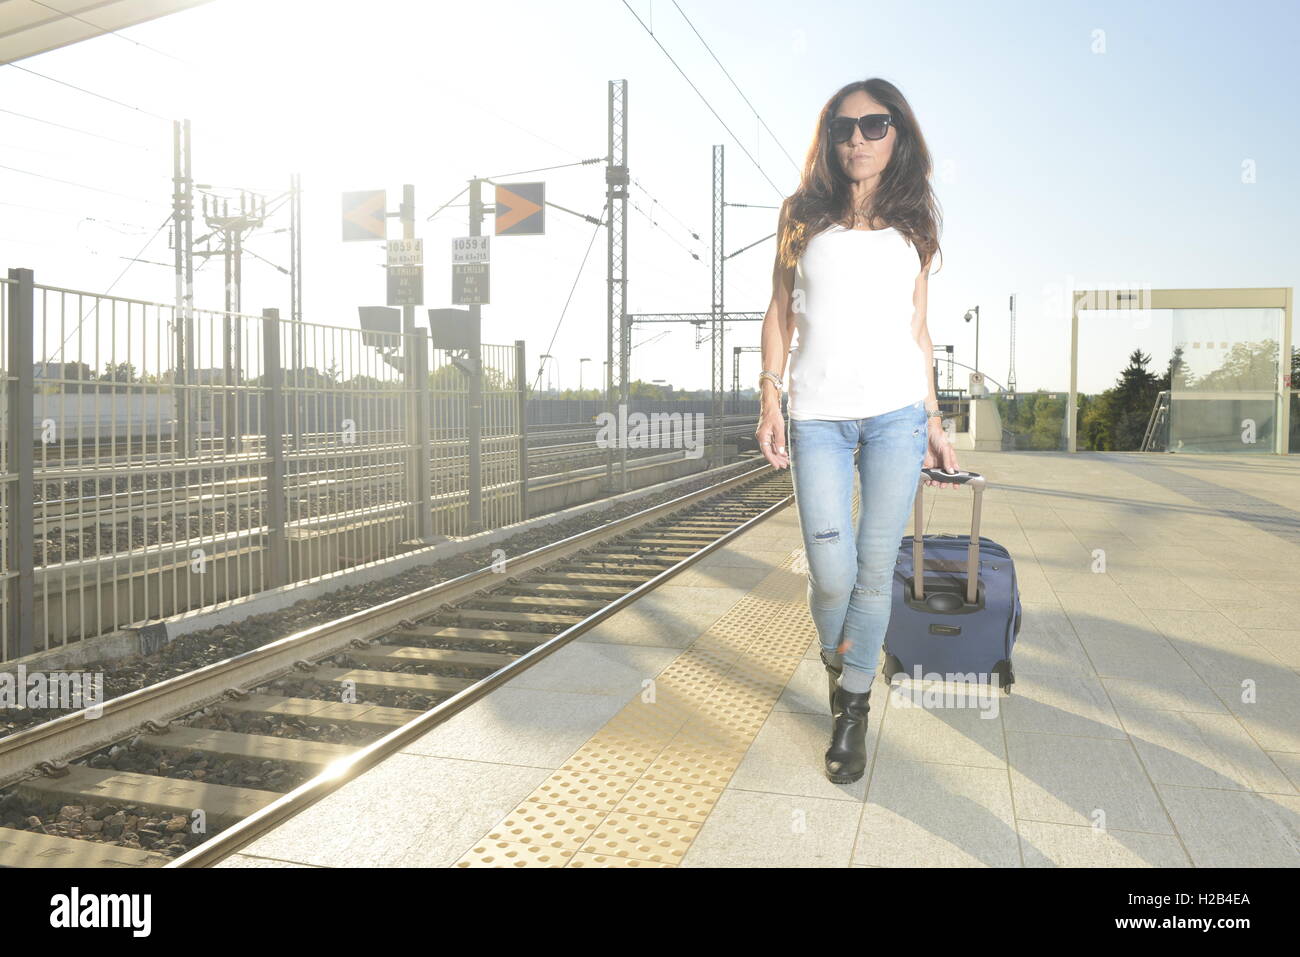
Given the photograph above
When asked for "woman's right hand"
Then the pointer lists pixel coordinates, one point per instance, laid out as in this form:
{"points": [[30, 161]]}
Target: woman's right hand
{"points": [[771, 439]]}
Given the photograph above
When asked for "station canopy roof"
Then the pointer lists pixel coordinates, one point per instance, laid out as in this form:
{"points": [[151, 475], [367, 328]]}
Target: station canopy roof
{"points": [[29, 27]]}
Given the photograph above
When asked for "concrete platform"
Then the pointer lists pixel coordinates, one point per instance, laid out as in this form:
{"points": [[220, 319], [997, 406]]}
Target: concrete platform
{"points": [[1155, 719]]}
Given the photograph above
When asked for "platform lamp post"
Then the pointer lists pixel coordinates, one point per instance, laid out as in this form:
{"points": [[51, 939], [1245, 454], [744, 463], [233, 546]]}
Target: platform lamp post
{"points": [[976, 313]]}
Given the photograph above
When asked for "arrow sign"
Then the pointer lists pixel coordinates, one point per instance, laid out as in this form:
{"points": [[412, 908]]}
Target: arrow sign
{"points": [[521, 209], [365, 215]]}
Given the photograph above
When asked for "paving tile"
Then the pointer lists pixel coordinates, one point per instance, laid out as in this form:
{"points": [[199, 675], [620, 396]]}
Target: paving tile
{"points": [[1067, 780], [1282, 643], [1061, 704], [1265, 613], [1262, 573], [641, 837], [1289, 763], [916, 728], [721, 576], [1165, 592], [1268, 709], [1230, 657], [1235, 828], [937, 815], [788, 757], [1229, 588], [1067, 845], [807, 691], [1082, 580], [597, 668], [1139, 569], [521, 726], [1202, 750], [1031, 581], [731, 558], [756, 829], [1128, 694], [1047, 643], [409, 811], [1149, 657], [671, 616]]}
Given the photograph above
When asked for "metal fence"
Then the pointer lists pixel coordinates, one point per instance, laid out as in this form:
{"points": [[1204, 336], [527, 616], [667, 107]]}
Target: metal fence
{"points": [[546, 411], [155, 460]]}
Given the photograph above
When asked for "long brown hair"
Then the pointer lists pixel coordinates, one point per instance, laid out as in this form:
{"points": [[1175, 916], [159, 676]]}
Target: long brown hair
{"points": [[903, 199]]}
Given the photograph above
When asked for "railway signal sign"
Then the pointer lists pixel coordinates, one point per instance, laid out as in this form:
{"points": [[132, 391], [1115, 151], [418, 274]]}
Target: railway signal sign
{"points": [[469, 284], [521, 209], [365, 215], [405, 285], [453, 329], [381, 327], [405, 252], [470, 249]]}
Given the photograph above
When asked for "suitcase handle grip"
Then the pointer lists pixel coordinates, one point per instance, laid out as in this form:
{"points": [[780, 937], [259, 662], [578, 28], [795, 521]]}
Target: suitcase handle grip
{"points": [[960, 477], [976, 481]]}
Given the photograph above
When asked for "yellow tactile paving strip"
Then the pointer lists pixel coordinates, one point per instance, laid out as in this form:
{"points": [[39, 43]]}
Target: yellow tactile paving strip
{"points": [[637, 793]]}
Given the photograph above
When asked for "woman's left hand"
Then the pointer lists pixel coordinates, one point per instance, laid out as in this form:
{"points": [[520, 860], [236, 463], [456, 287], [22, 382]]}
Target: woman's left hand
{"points": [[939, 451]]}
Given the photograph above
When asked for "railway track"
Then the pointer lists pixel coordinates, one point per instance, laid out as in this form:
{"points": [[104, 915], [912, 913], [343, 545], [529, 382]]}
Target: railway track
{"points": [[155, 505], [295, 719]]}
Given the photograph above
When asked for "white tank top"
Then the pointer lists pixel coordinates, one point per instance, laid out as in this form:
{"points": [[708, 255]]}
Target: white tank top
{"points": [[855, 356]]}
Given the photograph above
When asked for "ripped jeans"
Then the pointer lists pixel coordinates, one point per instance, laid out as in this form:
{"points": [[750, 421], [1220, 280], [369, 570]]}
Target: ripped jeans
{"points": [[850, 570]]}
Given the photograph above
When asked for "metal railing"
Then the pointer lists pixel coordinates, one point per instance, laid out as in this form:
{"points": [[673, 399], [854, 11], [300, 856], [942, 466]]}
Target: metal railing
{"points": [[154, 462]]}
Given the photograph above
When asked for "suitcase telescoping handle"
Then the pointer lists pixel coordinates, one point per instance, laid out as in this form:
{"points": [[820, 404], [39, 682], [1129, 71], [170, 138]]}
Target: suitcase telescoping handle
{"points": [[976, 481]]}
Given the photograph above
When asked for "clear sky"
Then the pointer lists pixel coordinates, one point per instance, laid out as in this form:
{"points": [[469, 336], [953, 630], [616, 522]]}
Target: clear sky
{"points": [[1076, 145]]}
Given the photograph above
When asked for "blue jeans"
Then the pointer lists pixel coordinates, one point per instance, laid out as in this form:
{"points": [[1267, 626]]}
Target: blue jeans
{"points": [[850, 577]]}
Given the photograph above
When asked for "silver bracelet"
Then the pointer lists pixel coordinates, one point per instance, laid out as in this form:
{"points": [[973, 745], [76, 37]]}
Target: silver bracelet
{"points": [[776, 380]]}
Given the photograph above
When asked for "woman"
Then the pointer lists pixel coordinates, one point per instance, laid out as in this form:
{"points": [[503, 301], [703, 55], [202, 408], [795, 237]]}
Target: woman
{"points": [[855, 244]]}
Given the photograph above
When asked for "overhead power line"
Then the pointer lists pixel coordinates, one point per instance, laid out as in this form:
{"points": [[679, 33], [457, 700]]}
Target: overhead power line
{"points": [[757, 166], [74, 129], [68, 182], [690, 252], [95, 300], [693, 233], [559, 322], [82, 89], [737, 86]]}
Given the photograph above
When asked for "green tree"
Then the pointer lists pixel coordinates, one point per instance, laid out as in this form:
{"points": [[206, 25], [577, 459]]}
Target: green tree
{"points": [[1132, 399], [1097, 421]]}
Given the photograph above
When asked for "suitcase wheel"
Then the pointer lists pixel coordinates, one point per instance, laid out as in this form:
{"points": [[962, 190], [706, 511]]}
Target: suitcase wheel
{"points": [[892, 667], [1006, 677]]}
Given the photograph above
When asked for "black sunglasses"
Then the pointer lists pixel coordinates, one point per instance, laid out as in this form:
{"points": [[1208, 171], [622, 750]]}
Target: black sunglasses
{"points": [[874, 126]]}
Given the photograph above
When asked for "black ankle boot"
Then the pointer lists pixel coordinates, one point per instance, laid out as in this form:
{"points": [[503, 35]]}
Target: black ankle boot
{"points": [[846, 758], [832, 679]]}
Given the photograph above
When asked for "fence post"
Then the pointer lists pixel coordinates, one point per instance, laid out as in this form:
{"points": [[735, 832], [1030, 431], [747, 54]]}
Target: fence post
{"points": [[20, 547], [521, 385], [423, 445], [276, 571], [474, 432]]}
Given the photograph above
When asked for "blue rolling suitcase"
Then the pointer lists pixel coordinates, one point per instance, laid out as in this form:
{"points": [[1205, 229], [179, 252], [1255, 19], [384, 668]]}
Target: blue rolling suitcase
{"points": [[963, 616]]}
